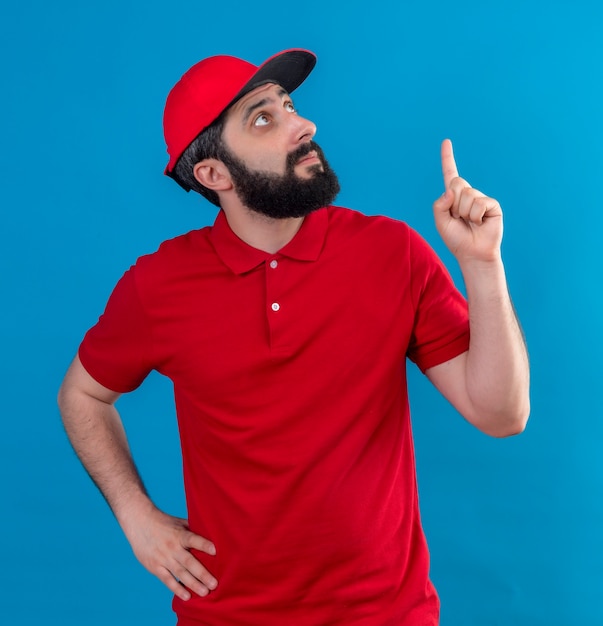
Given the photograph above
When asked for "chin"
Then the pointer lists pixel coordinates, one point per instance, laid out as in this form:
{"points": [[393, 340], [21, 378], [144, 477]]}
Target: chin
{"points": [[311, 170]]}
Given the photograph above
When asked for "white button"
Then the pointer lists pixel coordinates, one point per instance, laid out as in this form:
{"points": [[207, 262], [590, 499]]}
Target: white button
{"points": [[276, 306], [273, 264]]}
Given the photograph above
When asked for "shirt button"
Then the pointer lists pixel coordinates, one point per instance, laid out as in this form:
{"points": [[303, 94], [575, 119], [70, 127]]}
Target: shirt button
{"points": [[276, 306], [273, 264]]}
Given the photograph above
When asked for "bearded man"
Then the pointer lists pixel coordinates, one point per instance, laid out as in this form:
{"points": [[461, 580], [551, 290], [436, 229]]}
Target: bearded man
{"points": [[285, 328]]}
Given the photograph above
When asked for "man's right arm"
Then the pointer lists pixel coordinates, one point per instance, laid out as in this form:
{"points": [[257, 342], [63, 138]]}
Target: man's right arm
{"points": [[161, 542]]}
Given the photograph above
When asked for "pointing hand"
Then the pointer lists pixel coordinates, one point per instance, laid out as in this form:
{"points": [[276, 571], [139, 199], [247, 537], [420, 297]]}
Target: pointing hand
{"points": [[469, 222]]}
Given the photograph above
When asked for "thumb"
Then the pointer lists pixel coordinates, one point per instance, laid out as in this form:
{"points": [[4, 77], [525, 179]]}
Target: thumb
{"points": [[444, 202]]}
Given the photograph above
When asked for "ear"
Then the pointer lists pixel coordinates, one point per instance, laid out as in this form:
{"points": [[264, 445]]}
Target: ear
{"points": [[213, 174]]}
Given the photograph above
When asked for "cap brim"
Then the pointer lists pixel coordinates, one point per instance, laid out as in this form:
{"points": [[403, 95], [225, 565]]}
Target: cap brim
{"points": [[288, 69]]}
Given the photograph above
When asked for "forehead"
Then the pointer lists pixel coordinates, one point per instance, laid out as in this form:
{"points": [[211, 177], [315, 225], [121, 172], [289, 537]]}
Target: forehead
{"points": [[260, 96]]}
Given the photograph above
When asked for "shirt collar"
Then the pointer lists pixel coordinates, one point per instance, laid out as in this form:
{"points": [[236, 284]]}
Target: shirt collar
{"points": [[241, 257]]}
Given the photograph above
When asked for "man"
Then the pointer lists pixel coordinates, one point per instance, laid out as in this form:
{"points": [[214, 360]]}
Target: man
{"points": [[285, 328]]}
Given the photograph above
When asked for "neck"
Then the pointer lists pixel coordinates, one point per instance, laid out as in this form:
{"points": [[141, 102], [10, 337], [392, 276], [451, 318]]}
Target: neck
{"points": [[260, 231]]}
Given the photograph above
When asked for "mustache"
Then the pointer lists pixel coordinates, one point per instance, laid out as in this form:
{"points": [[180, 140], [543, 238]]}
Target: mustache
{"points": [[296, 155]]}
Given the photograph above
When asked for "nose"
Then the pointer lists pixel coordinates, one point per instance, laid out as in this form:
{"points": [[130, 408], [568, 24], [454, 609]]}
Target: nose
{"points": [[303, 129]]}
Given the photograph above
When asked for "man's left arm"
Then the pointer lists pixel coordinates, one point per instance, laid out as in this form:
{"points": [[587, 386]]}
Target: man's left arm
{"points": [[488, 384]]}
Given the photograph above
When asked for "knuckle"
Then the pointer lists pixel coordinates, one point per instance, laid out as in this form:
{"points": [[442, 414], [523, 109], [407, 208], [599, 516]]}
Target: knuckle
{"points": [[196, 568], [177, 571], [168, 580], [190, 562], [194, 584], [183, 537], [187, 539], [197, 542]]}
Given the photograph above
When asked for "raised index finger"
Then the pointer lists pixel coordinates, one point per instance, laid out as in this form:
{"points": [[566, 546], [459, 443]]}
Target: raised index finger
{"points": [[448, 163]]}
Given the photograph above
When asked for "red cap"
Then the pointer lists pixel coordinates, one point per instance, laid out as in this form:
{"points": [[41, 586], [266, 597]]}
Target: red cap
{"points": [[212, 85]]}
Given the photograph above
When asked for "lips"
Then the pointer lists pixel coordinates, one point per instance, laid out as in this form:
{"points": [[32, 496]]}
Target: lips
{"points": [[309, 159]]}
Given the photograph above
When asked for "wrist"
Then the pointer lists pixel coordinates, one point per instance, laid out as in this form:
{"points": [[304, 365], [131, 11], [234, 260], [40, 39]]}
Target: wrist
{"points": [[488, 265], [484, 279], [133, 509]]}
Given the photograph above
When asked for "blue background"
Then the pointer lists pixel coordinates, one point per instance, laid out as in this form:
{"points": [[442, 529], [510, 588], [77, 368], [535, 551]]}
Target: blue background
{"points": [[515, 526]]}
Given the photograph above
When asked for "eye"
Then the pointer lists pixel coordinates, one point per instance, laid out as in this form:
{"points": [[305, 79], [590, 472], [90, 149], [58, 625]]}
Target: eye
{"points": [[261, 120], [289, 107]]}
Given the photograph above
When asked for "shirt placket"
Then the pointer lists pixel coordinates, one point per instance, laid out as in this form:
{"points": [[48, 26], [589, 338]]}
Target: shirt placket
{"points": [[276, 307]]}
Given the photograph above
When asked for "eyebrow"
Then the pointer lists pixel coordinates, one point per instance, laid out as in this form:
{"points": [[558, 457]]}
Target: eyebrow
{"points": [[258, 105]]}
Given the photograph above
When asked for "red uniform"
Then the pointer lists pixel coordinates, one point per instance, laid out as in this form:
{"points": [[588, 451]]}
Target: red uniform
{"points": [[290, 387]]}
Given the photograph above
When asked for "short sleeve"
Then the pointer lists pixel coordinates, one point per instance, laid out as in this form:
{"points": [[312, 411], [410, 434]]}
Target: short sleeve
{"points": [[116, 350], [441, 325]]}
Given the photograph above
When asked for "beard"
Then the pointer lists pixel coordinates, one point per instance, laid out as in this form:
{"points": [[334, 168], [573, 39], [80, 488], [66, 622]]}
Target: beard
{"points": [[281, 196]]}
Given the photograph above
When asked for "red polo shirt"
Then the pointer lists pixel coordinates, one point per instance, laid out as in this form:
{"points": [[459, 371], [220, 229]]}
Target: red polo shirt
{"points": [[290, 387]]}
